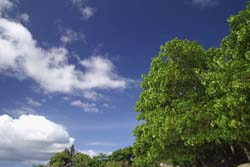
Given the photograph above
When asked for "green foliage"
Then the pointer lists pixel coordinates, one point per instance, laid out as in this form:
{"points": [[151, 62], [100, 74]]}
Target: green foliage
{"points": [[81, 160], [194, 102], [60, 160], [99, 161]]}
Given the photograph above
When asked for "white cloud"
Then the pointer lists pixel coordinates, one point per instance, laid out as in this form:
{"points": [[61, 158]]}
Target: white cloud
{"points": [[69, 36], [24, 17], [87, 12], [87, 107], [31, 138], [102, 144], [91, 153], [33, 102], [91, 95], [5, 5], [20, 54], [23, 110], [205, 3]]}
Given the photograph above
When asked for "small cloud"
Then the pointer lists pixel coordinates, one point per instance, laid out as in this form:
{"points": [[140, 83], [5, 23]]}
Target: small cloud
{"points": [[87, 12], [102, 144], [69, 36], [90, 153], [24, 17], [33, 102], [106, 105], [24, 110], [66, 98], [93, 153], [44, 100], [87, 107], [91, 95], [205, 3]]}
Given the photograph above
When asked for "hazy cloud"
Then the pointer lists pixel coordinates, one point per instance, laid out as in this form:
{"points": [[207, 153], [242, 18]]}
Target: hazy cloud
{"points": [[205, 3], [87, 12], [24, 17], [102, 144], [87, 107], [69, 36], [33, 102]]}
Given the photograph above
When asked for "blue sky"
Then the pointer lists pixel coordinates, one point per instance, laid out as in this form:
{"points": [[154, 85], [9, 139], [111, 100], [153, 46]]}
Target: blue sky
{"points": [[70, 69]]}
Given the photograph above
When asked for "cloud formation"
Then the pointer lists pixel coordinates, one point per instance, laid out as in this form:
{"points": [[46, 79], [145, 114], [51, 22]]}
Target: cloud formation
{"points": [[69, 36], [22, 142], [205, 3], [20, 54], [33, 102], [93, 153], [87, 107], [5, 5], [87, 12], [108, 144], [24, 17]]}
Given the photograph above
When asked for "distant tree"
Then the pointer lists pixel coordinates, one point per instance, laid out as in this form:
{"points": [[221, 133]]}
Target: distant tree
{"points": [[99, 161], [123, 156], [81, 160], [61, 159]]}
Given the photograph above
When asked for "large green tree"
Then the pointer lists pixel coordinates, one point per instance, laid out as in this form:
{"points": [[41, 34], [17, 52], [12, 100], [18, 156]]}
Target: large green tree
{"points": [[195, 103], [169, 104]]}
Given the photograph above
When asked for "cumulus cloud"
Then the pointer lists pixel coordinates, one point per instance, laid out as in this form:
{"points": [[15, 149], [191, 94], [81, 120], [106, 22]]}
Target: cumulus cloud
{"points": [[31, 138], [87, 12], [87, 107], [205, 3], [69, 36], [20, 54], [33, 102]]}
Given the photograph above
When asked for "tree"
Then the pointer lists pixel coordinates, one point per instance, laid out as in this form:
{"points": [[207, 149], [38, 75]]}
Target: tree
{"points": [[123, 157], [81, 160], [99, 161], [61, 159], [195, 103], [169, 104]]}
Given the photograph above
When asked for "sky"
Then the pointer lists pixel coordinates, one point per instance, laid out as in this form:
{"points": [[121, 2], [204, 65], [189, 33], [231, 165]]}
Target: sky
{"points": [[70, 70]]}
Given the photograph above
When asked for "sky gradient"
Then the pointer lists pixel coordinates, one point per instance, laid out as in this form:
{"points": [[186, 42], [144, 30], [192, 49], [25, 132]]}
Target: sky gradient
{"points": [[70, 70]]}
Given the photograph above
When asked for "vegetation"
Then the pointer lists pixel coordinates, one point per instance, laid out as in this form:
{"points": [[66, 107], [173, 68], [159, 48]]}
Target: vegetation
{"points": [[194, 107], [69, 158], [194, 103]]}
